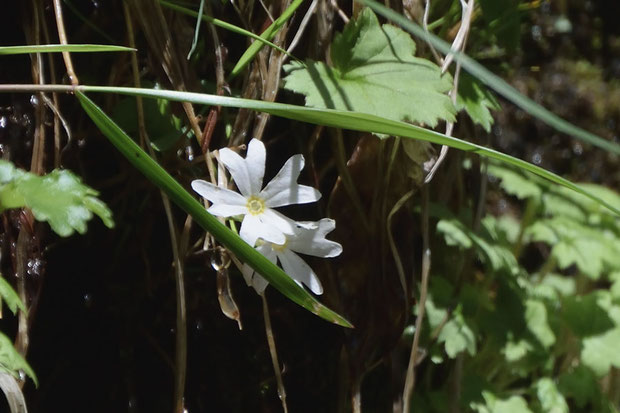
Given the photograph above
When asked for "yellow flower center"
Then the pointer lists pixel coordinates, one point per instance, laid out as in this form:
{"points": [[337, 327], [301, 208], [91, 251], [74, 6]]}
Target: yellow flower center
{"points": [[255, 205]]}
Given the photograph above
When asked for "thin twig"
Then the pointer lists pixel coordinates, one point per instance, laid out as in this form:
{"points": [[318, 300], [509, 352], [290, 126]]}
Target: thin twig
{"points": [[62, 36], [342, 14], [38, 147], [302, 28], [426, 267], [274, 354], [458, 45]]}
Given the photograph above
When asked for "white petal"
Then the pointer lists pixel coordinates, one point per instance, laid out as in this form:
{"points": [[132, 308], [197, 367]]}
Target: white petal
{"points": [[284, 189], [312, 241], [275, 219], [216, 194], [259, 283], [247, 173], [252, 229], [223, 210], [254, 279], [255, 159], [297, 268], [248, 273]]}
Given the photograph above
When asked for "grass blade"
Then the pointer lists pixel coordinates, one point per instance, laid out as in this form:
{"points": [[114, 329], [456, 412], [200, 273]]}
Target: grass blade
{"points": [[268, 34], [347, 120], [495, 82], [157, 175], [73, 48]]}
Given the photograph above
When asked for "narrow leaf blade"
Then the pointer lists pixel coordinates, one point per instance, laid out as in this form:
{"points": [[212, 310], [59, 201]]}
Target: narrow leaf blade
{"points": [[55, 48], [158, 176]]}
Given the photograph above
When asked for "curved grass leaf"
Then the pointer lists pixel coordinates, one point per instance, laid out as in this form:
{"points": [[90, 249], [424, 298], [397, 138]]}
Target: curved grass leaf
{"points": [[158, 176], [346, 120], [495, 82], [73, 48]]}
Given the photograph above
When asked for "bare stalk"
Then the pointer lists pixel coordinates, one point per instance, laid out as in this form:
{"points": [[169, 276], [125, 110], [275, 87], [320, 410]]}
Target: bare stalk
{"points": [[62, 36], [426, 267], [274, 354]]}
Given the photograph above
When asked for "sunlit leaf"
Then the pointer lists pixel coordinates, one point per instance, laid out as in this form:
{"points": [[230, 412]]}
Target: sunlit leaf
{"points": [[600, 352], [593, 250], [493, 404], [536, 319], [551, 400], [59, 198], [374, 71], [457, 336]]}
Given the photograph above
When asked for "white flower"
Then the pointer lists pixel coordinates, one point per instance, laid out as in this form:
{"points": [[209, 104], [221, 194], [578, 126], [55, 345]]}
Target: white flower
{"points": [[308, 239], [260, 220]]}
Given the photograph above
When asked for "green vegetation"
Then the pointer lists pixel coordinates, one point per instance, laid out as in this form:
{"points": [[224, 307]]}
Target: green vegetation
{"points": [[485, 278]]}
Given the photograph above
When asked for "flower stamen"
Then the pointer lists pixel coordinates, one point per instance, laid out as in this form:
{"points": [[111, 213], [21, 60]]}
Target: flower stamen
{"points": [[255, 205]]}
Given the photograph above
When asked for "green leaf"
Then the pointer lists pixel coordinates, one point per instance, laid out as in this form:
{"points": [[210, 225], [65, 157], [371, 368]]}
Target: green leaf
{"points": [[601, 352], [73, 48], [580, 385], [12, 362], [565, 286], [515, 351], [514, 404], [514, 182], [551, 400], [454, 233], [593, 250], [160, 178], [59, 198], [457, 336], [493, 81], [374, 71], [476, 100], [10, 296], [490, 251], [536, 319], [586, 315]]}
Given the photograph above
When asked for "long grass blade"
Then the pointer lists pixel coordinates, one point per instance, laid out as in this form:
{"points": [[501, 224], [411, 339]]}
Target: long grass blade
{"points": [[349, 120], [158, 176], [495, 82], [73, 48]]}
